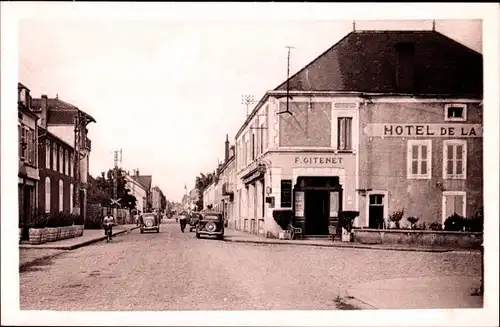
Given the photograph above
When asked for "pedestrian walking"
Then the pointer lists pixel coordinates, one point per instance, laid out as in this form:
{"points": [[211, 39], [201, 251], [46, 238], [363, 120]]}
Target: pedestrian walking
{"points": [[183, 220]]}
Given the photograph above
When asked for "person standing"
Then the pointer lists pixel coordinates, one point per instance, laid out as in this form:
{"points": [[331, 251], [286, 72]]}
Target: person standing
{"points": [[182, 219]]}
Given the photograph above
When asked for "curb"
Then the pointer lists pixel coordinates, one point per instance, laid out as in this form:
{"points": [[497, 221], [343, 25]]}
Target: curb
{"points": [[344, 246], [75, 246]]}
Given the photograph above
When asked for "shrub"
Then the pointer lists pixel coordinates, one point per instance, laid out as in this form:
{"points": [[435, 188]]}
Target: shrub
{"points": [[39, 220], [412, 220], [476, 222], [283, 217], [347, 219], [435, 226], [396, 217], [77, 219], [455, 223]]}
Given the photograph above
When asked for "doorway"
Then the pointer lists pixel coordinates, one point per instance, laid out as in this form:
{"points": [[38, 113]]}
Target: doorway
{"points": [[376, 211], [316, 212]]}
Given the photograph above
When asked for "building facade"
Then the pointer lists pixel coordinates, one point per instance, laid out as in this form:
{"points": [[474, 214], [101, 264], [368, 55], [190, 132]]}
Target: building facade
{"points": [[139, 191], [156, 198], [380, 122], [56, 159], [225, 185], [28, 172], [67, 123]]}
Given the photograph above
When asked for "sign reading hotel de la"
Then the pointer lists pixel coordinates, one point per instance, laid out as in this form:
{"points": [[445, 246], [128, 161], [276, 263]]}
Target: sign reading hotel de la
{"points": [[424, 130]]}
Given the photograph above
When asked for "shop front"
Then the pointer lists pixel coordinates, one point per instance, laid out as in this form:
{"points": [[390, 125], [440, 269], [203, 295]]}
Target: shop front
{"points": [[316, 186]]}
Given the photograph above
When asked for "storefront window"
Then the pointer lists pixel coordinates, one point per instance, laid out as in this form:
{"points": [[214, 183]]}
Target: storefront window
{"points": [[286, 193]]}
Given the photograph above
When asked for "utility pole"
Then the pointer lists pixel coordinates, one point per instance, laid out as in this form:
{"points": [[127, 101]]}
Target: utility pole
{"points": [[287, 111], [118, 155]]}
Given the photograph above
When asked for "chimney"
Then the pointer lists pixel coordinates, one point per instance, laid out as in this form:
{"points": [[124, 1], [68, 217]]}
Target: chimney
{"points": [[137, 172], [231, 151], [44, 107], [226, 149]]}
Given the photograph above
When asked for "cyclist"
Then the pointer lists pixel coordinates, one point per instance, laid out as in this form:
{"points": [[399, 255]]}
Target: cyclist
{"points": [[108, 222]]}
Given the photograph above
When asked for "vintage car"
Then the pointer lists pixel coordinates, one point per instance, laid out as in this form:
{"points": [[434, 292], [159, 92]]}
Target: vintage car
{"points": [[150, 221], [210, 224], [193, 220]]}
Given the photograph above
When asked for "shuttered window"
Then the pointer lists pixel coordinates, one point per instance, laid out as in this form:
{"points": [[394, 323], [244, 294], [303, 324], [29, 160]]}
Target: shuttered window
{"points": [[454, 159]]}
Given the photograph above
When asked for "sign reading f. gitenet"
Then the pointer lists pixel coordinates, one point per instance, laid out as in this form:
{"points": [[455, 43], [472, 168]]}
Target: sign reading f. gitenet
{"points": [[424, 130]]}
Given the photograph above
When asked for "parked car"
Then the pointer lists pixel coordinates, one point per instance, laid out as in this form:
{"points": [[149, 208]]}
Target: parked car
{"points": [[210, 224], [193, 220], [149, 221]]}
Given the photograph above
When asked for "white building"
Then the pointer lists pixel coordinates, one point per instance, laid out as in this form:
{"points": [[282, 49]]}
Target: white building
{"points": [[137, 190]]}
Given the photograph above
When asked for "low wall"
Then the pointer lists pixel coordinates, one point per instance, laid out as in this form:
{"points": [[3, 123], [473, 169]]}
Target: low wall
{"points": [[461, 240]]}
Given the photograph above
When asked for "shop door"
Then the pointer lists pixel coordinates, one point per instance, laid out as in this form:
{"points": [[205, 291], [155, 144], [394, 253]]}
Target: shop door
{"points": [[317, 210]]}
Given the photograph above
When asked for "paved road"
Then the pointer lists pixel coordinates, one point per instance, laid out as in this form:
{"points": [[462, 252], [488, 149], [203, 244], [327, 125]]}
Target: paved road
{"points": [[175, 271]]}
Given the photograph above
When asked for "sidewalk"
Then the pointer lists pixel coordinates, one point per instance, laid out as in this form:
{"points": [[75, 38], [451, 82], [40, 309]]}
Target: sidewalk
{"points": [[443, 292], [232, 235], [89, 236], [29, 254]]}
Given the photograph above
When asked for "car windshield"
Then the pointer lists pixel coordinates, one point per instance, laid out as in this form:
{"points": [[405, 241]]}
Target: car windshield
{"points": [[211, 217]]}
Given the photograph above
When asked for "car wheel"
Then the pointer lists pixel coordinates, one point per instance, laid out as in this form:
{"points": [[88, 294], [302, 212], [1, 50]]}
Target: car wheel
{"points": [[197, 235], [158, 230], [142, 231]]}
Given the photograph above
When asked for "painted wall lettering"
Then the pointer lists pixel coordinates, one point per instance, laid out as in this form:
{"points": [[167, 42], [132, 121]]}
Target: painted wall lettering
{"points": [[424, 130], [319, 160]]}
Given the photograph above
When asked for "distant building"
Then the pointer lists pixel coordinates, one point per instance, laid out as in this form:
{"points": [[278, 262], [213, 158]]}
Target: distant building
{"points": [[138, 190], [156, 198], [140, 187], [28, 172]]}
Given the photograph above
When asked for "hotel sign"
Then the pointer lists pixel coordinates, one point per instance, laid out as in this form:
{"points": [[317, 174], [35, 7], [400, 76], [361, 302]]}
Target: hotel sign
{"points": [[424, 130]]}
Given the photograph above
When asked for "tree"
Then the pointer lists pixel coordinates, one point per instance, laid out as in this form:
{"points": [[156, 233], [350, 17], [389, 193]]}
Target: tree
{"points": [[101, 189], [201, 183]]}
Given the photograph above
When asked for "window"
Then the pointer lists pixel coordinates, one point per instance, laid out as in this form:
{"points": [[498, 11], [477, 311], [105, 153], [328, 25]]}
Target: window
{"points": [[61, 195], [262, 133], [455, 112], [20, 140], [253, 146], [61, 160], [419, 159], [286, 193], [454, 159], [71, 165], [54, 157], [454, 202], [66, 163], [47, 154], [244, 144], [71, 197], [266, 132], [345, 134], [47, 194]]}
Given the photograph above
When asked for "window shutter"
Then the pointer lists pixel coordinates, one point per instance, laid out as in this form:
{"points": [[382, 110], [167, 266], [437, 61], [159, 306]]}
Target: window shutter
{"points": [[464, 161]]}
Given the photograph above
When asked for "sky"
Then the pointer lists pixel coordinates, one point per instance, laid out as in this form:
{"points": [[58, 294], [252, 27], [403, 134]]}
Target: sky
{"points": [[167, 92]]}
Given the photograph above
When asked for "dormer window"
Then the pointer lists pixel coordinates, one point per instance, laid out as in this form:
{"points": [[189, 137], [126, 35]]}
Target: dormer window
{"points": [[455, 112]]}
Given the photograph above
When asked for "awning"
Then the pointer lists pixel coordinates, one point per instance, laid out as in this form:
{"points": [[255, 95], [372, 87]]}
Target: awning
{"points": [[253, 175]]}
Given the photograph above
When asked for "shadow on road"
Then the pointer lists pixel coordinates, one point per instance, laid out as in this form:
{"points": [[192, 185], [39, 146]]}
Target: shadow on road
{"points": [[36, 265]]}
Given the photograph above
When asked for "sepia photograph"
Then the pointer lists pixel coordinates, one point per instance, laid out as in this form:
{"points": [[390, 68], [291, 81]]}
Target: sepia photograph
{"points": [[189, 161]]}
